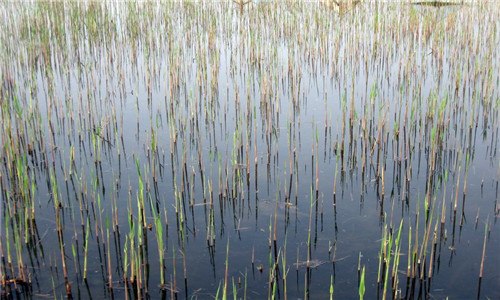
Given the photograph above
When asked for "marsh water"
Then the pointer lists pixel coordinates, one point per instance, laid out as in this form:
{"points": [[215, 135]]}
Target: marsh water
{"points": [[261, 150]]}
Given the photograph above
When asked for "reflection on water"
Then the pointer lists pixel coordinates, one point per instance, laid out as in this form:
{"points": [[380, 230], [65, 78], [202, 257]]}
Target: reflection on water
{"points": [[264, 149]]}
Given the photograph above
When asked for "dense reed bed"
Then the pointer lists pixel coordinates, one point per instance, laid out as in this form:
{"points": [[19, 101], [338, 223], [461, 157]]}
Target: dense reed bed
{"points": [[249, 149]]}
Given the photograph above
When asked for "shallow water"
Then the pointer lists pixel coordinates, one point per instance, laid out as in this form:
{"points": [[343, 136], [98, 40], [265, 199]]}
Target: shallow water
{"points": [[257, 137]]}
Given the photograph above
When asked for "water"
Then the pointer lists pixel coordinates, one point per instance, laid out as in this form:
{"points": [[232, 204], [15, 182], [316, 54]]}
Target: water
{"points": [[283, 130]]}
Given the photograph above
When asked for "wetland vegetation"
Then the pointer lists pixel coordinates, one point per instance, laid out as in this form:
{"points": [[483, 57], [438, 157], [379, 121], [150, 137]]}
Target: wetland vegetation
{"points": [[249, 149]]}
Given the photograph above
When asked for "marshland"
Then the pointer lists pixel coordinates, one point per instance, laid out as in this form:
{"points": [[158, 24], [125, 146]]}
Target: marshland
{"points": [[249, 149]]}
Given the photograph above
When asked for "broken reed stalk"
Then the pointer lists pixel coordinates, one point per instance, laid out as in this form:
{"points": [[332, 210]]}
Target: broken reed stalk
{"points": [[481, 269]]}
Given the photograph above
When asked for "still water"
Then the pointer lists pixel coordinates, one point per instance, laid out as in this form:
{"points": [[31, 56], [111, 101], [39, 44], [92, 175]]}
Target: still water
{"points": [[268, 150]]}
